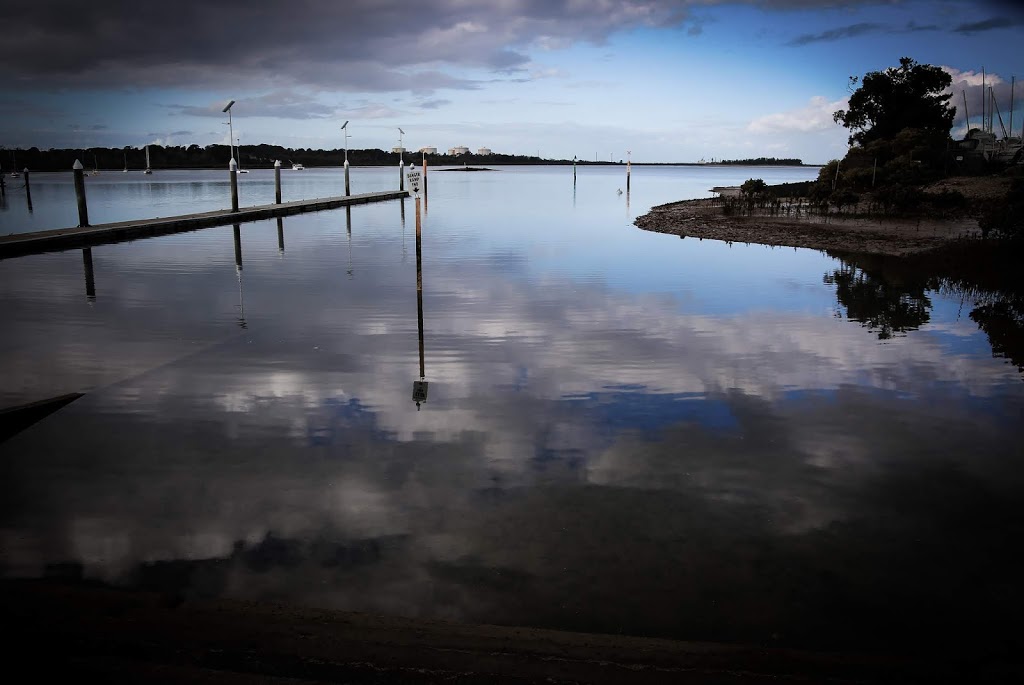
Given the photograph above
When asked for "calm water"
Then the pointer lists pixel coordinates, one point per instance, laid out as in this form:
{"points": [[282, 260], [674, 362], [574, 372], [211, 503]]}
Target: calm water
{"points": [[623, 431]]}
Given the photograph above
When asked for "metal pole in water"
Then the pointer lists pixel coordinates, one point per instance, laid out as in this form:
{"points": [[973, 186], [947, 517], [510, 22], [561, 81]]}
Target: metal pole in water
{"points": [[83, 208], [233, 172], [28, 188], [419, 284], [629, 168], [574, 171], [90, 283], [401, 175], [424, 174], [277, 181]]}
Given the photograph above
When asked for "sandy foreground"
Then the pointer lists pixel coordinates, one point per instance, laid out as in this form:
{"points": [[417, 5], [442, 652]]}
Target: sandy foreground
{"points": [[73, 633], [892, 237]]}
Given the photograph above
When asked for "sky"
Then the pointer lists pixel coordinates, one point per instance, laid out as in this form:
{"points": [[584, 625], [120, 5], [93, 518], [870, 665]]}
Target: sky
{"points": [[657, 80]]}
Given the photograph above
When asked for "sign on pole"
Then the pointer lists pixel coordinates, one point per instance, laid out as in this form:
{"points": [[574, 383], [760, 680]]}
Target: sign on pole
{"points": [[413, 177]]}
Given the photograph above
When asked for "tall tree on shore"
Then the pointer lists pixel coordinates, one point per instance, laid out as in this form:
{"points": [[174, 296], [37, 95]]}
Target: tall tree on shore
{"points": [[911, 95]]}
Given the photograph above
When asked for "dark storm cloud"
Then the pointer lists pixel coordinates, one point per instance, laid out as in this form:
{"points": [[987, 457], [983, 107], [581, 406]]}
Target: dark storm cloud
{"points": [[988, 25], [364, 45], [850, 31]]}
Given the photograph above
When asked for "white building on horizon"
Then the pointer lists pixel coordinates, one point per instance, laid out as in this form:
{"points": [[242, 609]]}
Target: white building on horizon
{"points": [[484, 151], [398, 149], [458, 150], [428, 150]]}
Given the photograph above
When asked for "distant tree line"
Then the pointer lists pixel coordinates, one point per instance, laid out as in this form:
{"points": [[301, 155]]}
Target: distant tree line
{"points": [[764, 161]]}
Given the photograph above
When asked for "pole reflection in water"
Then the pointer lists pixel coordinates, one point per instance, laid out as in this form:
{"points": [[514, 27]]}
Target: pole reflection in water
{"points": [[348, 227], [90, 283], [419, 387], [405, 252], [280, 235], [238, 272]]}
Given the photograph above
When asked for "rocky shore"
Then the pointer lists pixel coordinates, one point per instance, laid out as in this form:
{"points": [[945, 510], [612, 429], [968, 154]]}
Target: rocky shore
{"points": [[705, 218]]}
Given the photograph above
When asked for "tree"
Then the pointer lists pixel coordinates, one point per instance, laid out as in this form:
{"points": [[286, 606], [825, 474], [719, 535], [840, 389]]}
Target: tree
{"points": [[887, 102]]}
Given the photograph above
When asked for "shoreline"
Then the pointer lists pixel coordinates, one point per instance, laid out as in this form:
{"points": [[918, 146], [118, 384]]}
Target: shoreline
{"points": [[704, 218]]}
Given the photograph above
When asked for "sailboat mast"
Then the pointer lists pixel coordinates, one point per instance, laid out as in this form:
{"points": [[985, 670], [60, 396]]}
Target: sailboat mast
{"points": [[967, 116], [1013, 81]]}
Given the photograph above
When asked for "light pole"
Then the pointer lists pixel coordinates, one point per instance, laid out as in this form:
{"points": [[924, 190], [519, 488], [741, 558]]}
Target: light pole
{"points": [[401, 160], [231, 130], [344, 129]]}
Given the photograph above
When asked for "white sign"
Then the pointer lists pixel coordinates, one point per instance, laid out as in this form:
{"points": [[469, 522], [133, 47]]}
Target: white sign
{"points": [[414, 180]]}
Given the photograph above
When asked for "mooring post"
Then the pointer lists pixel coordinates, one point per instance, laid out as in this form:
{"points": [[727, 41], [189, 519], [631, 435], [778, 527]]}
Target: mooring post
{"points": [[83, 208], [277, 181], [574, 171], [90, 283], [424, 174], [401, 175], [233, 172], [348, 188], [28, 188]]}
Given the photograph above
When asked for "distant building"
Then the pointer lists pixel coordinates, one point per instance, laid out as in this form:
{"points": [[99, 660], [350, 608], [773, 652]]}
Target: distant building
{"points": [[458, 150], [398, 149], [484, 151], [428, 150]]}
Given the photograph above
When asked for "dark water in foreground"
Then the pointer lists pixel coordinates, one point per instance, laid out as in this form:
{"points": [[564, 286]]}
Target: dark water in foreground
{"points": [[623, 431]]}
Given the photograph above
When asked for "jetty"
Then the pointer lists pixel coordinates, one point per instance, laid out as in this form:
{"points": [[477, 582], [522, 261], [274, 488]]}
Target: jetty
{"points": [[20, 244]]}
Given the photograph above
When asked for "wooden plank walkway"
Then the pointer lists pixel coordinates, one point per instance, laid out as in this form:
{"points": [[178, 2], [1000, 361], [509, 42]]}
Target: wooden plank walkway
{"points": [[19, 244]]}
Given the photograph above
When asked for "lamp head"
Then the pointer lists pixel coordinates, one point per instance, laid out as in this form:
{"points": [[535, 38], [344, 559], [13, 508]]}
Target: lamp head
{"points": [[228, 106]]}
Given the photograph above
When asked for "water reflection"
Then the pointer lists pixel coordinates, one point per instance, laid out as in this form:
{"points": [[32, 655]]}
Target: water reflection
{"points": [[885, 308], [90, 281], [602, 455], [280, 235]]}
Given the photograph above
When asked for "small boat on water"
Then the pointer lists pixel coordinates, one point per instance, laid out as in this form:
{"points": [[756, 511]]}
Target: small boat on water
{"points": [[125, 170], [298, 167], [147, 170], [95, 167], [239, 149], [14, 163]]}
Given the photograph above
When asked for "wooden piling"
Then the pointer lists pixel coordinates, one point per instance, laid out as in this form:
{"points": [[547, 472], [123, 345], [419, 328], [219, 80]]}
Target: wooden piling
{"points": [[401, 175], [277, 181], [424, 174], [83, 207], [233, 172]]}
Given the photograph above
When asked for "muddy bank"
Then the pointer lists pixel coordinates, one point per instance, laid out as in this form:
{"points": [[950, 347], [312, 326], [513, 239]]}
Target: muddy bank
{"points": [[705, 218]]}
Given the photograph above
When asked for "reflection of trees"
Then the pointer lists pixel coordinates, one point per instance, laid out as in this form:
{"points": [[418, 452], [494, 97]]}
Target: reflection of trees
{"points": [[883, 306], [1003, 323], [889, 294]]}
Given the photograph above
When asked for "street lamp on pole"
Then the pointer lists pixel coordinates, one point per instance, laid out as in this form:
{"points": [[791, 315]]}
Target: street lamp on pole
{"points": [[231, 130], [344, 127]]}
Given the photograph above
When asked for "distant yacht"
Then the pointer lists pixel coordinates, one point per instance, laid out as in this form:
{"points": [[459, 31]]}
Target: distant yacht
{"points": [[147, 170], [125, 170], [14, 163], [239, 149], [95, 167], [298, 167]]}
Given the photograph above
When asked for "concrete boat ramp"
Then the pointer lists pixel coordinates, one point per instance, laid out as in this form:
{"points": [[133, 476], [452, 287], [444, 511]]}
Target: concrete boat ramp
{"points": [[19, 244]]}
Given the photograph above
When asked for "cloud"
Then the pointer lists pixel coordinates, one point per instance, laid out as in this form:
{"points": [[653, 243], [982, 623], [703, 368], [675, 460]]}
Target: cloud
{"points": [[433, 104], [284, 104], [850, 31], [988, 25], [815, 116]]}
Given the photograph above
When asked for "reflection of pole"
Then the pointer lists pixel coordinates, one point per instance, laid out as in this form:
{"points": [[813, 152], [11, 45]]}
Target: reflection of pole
{"points": [[90, 283], [419, 387], [280, 234], [238, 273], [238, 247], [348, 227]]}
